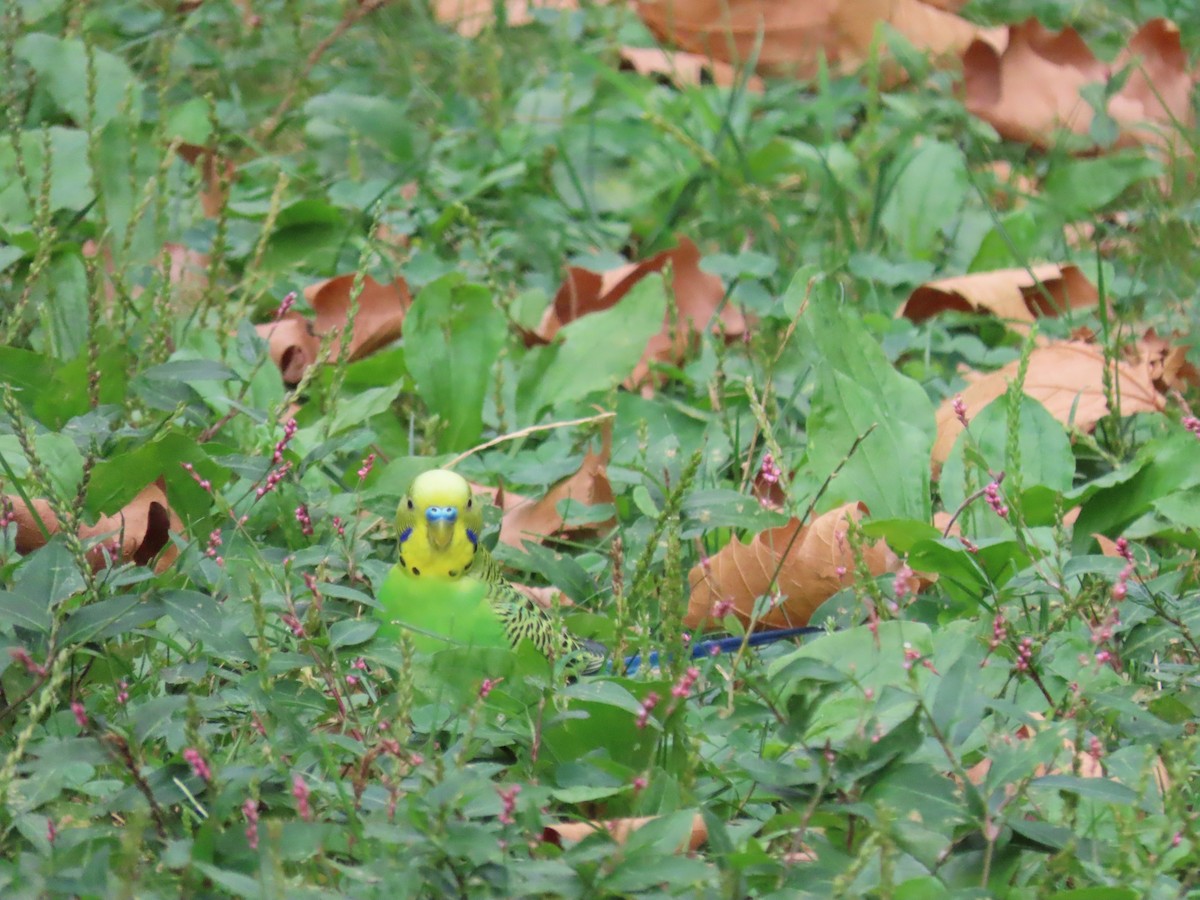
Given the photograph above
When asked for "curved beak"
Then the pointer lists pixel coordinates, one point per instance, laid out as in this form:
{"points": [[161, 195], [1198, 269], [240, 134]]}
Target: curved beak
{"points": [[441, 521]]}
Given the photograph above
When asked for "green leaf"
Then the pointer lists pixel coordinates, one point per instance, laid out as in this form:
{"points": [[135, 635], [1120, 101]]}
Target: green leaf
{"points": [[594, 353], [61, 65], [1163, 467], [928, 192], [1046, 460], [1076, 188], [24, 609], [189, 370], [351, 632], [1103, 789], [58, 455], [452, 337], [856, 388], [49, 574], [70, 173]]}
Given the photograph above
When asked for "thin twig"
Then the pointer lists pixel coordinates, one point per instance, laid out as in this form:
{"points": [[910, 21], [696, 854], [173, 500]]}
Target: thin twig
{"points": [[549, 426], [356, 12]]}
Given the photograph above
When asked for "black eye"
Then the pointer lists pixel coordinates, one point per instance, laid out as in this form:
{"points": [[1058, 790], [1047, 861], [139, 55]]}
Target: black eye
{"points": [[469, 501], [410, 503], [416, 571]]}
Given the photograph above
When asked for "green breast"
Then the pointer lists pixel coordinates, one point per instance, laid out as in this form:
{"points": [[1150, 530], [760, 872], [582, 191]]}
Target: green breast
{"points": [[439, 613]]}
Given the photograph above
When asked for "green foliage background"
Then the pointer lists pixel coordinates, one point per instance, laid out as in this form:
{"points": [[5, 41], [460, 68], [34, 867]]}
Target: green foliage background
{"points": [[234, 727]]}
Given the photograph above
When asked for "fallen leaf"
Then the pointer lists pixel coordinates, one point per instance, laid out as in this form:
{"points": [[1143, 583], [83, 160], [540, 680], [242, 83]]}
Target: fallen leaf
{"points": [[527, 519], [213, 171], [292, 343], [1067, 377], [137, 533], [698, 298], [1165, 362], [1017, 296], [807, 559], [295, 342], [545, 597], [796, 36], [619, 829], [1031, 88], [381, 310], [682, 68], [470, 17]]}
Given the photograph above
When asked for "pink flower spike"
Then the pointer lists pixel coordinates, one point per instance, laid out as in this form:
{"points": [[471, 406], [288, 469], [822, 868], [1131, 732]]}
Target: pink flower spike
{"points": [[301, 793], [960, 410], [683, 687], [80, 713], [250, 811], [199, 767], [51, 831], [367, 465], [21, 655], [284, 306], [648, 705], [508, 803], [769, 471], [487, 686]]}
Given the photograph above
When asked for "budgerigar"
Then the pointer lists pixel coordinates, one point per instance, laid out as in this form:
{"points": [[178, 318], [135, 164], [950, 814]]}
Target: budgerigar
{"points": [[448, 591]]}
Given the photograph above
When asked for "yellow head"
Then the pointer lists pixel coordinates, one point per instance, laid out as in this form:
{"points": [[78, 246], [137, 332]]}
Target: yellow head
{"points": [[438, 525]]}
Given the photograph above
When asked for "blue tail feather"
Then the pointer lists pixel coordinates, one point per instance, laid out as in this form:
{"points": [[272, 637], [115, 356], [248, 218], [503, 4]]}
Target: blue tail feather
{"points": [[717, 646]]}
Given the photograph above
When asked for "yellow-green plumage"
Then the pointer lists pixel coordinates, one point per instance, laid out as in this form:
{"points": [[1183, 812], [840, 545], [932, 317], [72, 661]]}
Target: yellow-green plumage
{"points": [[448, 591]]}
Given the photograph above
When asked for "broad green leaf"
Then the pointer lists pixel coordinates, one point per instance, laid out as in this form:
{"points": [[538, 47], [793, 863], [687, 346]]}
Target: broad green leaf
{"points": [[1103, 789], [24, 609], [594, 353], [62, 297], [70, 173], [928, 188], [452, 337], [61, 65], [1076, 188], [55, 451], [857, 388], [1046, 460], [1164, 466]]}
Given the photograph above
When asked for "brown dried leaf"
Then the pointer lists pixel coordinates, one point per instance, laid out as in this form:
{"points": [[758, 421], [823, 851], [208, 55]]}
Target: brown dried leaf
{"points": [[807, 559], [619, 829], [545, 597], [683, 68], [381, 310], [292, 344], [1166, 363], [295, 342], [525, 519], [1017, 296], [1031, 88], [795, 36], [137, 533], [697, 297], [470, 17], [1066, 377], [213, 170]]}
